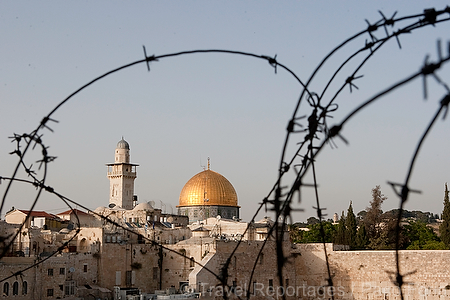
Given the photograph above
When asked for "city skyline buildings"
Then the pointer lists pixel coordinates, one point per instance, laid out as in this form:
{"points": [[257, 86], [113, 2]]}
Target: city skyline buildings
{"points": [[230, 108]]}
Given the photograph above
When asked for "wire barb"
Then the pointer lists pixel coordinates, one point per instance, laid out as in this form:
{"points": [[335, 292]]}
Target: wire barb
{"points": [[272, 61], [148, 59], [45, 121]]}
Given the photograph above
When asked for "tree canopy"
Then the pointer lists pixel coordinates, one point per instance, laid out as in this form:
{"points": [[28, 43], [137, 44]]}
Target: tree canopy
{"points": [[373, 229]]}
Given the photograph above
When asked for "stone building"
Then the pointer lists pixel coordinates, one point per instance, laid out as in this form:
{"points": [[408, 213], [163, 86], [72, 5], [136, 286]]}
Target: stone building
{"points": [[40, 219], [136, 248], [75, 216]]}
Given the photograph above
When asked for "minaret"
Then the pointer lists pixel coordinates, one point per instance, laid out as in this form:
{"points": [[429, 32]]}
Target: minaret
{"points": [[121, 176]]}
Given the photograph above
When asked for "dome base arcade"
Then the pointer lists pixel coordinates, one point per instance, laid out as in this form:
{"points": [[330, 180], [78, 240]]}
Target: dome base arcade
{"points": [[202, 212]]}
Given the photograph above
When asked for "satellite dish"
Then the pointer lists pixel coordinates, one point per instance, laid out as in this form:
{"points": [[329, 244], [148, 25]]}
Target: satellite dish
{"points": [[71, 270], [152, 203], [111, 205], [218, 217]]}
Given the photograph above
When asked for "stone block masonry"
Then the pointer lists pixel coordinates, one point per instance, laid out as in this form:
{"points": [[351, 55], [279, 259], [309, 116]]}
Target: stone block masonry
{"points": [[371, 274]]}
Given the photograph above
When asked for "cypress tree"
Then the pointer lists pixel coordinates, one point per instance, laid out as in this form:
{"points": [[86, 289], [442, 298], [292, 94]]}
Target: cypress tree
{"points": [[444, 228], [351, 227], [341, 234], [374, 213], [361, 237]]}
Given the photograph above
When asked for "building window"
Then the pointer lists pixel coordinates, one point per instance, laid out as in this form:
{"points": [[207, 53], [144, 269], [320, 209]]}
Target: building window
{"points": [[155, 272], [69, 288], [118, 278], [50, 272], [15, 288], [261, 258], [49, 292], [192, 263], [25, 288], [6, 289], [128, 278], [85, 268], [62, 271]]}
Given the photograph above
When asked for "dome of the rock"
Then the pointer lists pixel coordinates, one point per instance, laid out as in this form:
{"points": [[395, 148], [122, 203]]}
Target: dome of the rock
{"points": [[208, 188], [208, 194]]}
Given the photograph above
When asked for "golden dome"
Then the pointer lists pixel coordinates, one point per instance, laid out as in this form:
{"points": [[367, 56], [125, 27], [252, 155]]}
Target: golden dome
{"points": [[208, 188]]}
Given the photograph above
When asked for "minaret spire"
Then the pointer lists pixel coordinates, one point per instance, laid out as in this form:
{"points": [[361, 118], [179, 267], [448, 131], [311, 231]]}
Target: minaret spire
{"points": [[208, 163]]}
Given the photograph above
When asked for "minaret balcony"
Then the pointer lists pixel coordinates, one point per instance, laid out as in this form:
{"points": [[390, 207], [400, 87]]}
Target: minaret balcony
{"points": [[121, 173]]}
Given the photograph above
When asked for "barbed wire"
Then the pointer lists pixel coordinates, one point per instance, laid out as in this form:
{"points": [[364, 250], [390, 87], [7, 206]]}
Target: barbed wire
{"points": [[317, 122], [314, 136], [36, 138]]}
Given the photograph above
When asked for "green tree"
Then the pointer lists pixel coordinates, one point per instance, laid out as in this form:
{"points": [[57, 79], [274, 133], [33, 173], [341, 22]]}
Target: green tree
{"points": [[373, 218], [389, 231], [341, 232], [361, 215], [295, 234], [444, 228], [420, 236], [361, 240], [379, 242], [312, 221], [351, 227], [434, 245], [314, 235]]}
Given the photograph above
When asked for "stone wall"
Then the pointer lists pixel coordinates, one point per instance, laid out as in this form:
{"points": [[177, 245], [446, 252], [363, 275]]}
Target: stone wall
{"points": [[264, 282], [130, 265], [369, 274], [50, 278]]}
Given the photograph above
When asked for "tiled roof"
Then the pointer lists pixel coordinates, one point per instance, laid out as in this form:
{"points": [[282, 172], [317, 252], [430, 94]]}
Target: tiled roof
{"points": [[36, 213], [72, 211]]}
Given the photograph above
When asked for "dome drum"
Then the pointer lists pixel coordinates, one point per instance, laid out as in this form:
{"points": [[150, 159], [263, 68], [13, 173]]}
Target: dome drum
{"points": [[202, 212]]}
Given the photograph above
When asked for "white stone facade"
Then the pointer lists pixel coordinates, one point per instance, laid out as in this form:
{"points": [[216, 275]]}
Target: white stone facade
{"points": [[121, 175]]}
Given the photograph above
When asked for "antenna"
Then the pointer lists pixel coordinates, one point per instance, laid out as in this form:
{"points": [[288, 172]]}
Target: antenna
{"points": [[162, 204]]}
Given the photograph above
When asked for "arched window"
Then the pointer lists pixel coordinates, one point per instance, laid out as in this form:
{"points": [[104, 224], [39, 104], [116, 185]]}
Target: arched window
{"points": [[15, 288], [6, 289], [192, 263], [25, 288]]}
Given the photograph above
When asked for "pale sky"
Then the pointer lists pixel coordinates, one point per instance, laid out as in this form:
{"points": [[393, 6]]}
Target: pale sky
{"points": [[230, 108]]}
